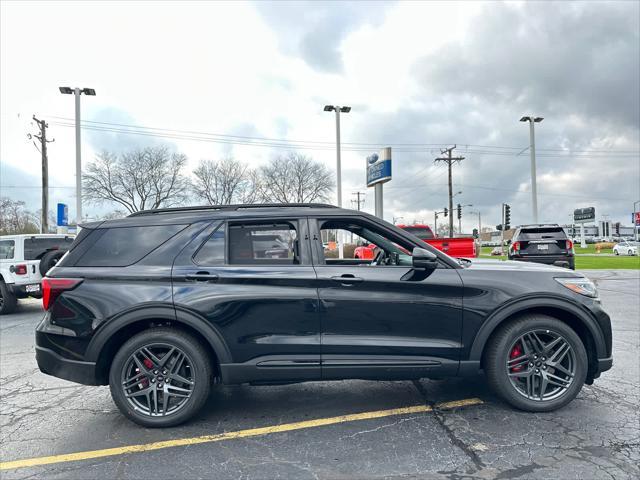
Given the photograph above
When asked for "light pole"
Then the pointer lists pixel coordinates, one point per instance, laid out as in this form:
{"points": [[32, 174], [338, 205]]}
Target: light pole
{"points": [[338, 109], [460, 217], [534, 187], [633, 220], [77, 92], [479, 221]]}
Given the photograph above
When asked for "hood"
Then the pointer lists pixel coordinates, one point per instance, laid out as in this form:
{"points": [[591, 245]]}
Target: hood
{"points": [[510, 265]]}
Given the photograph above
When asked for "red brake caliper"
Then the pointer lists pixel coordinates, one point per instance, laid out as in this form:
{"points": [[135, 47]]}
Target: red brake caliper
{"points": [[516, 352], [144, 383]]}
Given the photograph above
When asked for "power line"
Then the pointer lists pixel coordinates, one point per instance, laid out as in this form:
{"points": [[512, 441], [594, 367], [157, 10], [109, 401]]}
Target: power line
{"points": [[322, 145]]}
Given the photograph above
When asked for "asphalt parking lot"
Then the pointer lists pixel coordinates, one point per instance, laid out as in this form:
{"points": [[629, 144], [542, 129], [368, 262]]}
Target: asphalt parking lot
{"points": [[454, 429]]}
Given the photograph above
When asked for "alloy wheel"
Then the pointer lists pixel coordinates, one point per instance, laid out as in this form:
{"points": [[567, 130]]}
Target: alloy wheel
{"points": [[541, 365], [158, 379]]}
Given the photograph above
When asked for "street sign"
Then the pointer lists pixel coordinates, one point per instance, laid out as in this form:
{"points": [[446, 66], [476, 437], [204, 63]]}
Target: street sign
{"points": [[379, 167], [581, 215], [635, 218], [63, 215]]}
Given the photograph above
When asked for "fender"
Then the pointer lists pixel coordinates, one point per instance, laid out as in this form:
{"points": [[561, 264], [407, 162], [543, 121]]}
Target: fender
{"points": [[157, 311], [523, 304]]}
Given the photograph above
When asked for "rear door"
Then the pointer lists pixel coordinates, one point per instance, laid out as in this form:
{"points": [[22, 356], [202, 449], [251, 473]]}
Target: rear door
{"points": [[253, 281], [36, 247]]}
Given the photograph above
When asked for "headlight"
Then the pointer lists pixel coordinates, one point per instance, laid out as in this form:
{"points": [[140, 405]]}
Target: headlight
{"points": [[583, 286]]}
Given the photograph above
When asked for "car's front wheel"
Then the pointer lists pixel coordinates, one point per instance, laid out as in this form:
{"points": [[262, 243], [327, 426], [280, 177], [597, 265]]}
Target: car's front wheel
{"points": [[536, 363], [160, 377]]}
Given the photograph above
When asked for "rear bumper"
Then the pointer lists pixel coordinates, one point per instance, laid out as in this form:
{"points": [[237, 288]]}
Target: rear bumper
{"points": [[546, 259], [20, 291], [77, 371]]}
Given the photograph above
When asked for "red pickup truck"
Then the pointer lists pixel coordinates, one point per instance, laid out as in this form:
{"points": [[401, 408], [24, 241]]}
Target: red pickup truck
{"points": [[463, 247]]}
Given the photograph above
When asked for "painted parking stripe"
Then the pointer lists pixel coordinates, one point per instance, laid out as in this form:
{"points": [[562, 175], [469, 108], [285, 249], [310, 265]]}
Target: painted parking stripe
{"points": [[252, 432]]}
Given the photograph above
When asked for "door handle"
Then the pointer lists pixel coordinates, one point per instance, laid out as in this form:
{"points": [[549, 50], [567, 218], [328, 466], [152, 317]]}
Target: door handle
{"points": [[201, 277], [347, 279]]}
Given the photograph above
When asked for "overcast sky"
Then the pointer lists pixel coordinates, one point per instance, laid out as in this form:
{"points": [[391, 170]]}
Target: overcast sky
{"points": [[432, 74]]}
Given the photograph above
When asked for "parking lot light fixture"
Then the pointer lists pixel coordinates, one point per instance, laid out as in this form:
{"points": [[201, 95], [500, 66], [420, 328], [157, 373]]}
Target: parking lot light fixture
{"points": [[77, 92], [532, 147]]}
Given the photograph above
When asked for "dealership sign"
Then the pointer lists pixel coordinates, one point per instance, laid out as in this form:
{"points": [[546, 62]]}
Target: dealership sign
{"points": [[635, 218], [584, 214], [63, 215], [379, 167]]}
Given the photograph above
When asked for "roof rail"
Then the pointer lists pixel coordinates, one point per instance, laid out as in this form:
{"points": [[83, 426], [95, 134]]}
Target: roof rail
{"points": [[241, 206]]}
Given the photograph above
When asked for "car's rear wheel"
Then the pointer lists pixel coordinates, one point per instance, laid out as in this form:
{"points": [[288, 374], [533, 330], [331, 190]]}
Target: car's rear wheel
{"points": [[536, 363], [630, 252], [615, 250], [8, 300], [160, 377]]}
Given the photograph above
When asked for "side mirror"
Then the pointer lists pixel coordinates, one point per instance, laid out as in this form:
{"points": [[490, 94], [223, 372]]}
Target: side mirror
{"points": [[423, 259]]}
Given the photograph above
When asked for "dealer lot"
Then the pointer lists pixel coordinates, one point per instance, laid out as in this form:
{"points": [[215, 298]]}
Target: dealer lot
{"points": [[596, 436]]}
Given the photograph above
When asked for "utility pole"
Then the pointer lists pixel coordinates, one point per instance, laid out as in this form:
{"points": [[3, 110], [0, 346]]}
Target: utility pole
{"points": [[449, 160], [359, 200], [42, 138]]}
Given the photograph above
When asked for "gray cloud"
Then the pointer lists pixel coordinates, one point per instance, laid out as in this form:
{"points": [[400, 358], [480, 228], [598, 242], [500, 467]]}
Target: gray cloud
{"points": [[575, 64], [314, 30]]}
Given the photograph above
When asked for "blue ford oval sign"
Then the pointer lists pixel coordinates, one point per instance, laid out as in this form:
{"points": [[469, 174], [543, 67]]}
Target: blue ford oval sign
{"points": [[379, 167]]}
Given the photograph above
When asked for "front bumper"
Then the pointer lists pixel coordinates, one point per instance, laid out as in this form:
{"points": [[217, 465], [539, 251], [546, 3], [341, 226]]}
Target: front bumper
{"points": [[77, 371]]}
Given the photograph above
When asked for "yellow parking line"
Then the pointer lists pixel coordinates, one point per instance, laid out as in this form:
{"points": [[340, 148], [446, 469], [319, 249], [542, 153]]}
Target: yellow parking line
{"points": [[252, 432]]}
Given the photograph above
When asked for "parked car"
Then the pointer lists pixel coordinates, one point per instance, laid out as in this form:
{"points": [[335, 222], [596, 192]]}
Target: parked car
{"points": [[24, 259], [459, 247], [625, 247], [542, 243], [165, 303]]}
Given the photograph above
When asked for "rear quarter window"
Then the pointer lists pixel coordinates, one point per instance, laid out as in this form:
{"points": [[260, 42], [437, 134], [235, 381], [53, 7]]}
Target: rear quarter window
{"points": [[123, 246]]}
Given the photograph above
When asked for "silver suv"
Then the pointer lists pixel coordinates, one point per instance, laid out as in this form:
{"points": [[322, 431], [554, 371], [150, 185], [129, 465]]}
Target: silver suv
{"points": [[24, 260]]}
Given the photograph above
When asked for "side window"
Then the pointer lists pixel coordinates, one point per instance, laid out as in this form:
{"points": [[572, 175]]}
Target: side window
{"points": [[122, 246], [7, 249], [363, 244], [263, 244], [212, 252]]}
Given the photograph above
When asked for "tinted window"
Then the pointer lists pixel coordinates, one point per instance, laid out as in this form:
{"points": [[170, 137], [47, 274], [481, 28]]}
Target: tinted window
{"points": [[7, 249], [212, 252], [36, 247], [263, 244], [119, 247], [542, 233], [421, 233]]}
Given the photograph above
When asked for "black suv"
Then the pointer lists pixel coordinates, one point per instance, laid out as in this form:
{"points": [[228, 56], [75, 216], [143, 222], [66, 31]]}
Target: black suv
{"points": [[542, 244], [164, 303]]}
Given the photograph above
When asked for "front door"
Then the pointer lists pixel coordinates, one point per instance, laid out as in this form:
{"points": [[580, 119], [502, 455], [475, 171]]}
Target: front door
{"points": [[378, 320]]}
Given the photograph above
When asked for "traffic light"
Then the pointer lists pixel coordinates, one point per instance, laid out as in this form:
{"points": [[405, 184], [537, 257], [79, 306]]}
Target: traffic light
{"points": [[499, 227], [618, 229], [507, 216], [459, 211], [446, 211], [475, 233]]}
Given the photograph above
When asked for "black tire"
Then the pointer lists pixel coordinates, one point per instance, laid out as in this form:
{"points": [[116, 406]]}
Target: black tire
{"points": [[8, 300], [49, 260], [202, 376], [497, 354]]}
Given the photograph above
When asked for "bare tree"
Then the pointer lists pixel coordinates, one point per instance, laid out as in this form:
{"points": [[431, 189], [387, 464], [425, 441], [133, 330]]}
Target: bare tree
{"points": [[15, 218], [220, 183], [137, 180], [295, 178]]}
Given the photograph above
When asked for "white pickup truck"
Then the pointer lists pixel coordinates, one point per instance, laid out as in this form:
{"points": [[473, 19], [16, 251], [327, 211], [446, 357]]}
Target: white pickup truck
{"points": [[24, 260]]}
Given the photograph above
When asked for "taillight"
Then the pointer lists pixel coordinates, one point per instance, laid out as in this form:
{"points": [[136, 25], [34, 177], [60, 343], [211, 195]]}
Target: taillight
{"points": [[21, 269], [53, 287], [569, 245], [515, 246]]}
